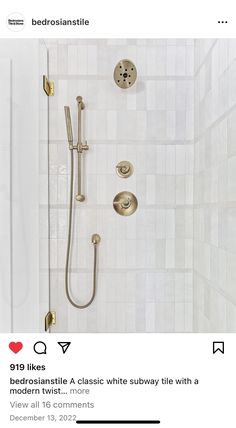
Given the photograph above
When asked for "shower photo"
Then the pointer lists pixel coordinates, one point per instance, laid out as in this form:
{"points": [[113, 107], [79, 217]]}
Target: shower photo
{"points": [[118, 185]]}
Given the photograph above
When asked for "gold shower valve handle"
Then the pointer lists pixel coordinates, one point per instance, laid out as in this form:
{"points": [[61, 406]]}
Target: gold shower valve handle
{"points": [[124, 169], [125, 203]]}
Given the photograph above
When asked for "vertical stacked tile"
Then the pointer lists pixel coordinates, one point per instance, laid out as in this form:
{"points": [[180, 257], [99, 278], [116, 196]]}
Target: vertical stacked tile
{"points": [[215, 188], [145, 260]]}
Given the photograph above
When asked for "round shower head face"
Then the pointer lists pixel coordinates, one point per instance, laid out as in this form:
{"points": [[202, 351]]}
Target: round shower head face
{"points": [[125, 74]]}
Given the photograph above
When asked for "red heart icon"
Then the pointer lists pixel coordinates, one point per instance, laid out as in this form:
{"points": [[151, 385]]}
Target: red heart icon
{"points": [[15, 346]]}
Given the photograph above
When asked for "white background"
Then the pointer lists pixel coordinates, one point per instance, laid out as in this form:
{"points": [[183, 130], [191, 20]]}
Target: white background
{"points": [[211, 404], [126, 19]]}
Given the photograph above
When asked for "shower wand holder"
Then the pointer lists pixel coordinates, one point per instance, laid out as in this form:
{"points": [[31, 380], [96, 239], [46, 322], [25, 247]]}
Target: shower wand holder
{"points": [[82, 147], [79, 147], [80, 102]]}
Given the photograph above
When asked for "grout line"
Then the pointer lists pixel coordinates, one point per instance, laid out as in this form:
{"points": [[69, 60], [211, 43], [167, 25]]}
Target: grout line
{"points": [[109, 206], [121, 270], [108, 77], [118, 142], [215, 123], [126, 41], [205, 58], [220, 205], [216, 288]]}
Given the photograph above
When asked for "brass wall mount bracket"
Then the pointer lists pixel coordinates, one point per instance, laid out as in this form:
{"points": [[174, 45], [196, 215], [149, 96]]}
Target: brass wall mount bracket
{"points": [[50, 319], [124, 169], [48, 86], [125, 203]]}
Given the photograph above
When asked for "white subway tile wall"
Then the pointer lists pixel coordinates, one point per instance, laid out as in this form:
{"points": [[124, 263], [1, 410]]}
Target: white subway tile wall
{"points": [[214, 263], [145, 260]]}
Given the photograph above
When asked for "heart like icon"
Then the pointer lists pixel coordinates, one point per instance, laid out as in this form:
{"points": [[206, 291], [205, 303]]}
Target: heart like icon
{"points": [[15, 346]]}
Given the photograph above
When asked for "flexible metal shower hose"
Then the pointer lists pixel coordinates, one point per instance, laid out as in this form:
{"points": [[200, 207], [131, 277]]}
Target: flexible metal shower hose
{"points": [[69, 247]]}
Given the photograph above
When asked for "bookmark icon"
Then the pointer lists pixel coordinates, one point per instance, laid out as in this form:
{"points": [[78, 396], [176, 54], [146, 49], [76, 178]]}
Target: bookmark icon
{"points": [[218, 347]]}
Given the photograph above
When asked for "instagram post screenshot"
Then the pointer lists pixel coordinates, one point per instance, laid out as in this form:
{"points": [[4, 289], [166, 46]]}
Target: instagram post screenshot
{"points": [[118, 214]]}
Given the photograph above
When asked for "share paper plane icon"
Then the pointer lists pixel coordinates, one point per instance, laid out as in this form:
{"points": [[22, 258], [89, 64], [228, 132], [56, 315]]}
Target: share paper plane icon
{"points": [[64, 346]]}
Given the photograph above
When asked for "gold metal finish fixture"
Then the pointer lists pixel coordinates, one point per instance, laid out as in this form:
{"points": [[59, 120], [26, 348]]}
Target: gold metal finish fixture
{"points": [[69, 127], [48, 86], [125, 203], [80, 102], [50, 319], [95, 239], [125, 74], [79, 147], [124, 169]]}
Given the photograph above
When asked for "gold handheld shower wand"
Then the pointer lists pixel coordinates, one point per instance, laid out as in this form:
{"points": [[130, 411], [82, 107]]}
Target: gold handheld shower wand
{"points": [[79, 147], [69, 127]]}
